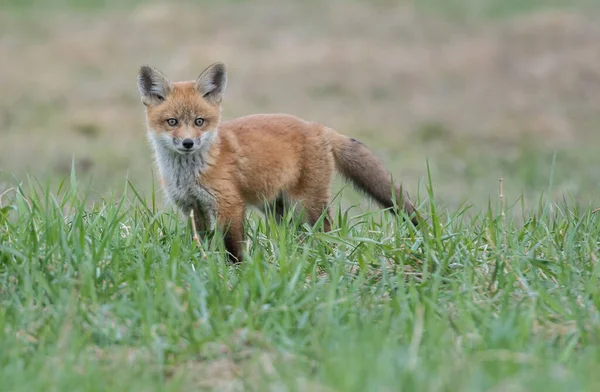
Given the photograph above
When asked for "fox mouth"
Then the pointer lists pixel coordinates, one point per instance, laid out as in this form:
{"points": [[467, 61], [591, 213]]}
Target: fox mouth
{"points": [[186, 151]]}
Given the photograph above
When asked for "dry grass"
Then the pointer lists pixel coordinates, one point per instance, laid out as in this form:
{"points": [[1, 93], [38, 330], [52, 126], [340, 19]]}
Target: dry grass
{"points": [[480, 101]]}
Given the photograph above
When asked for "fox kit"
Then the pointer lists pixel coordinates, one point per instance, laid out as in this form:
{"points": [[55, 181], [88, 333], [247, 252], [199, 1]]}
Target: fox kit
{"points": [[216, 169]]}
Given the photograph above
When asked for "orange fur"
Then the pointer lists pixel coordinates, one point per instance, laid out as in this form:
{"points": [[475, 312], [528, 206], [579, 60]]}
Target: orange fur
{"points": [[252, 160]]}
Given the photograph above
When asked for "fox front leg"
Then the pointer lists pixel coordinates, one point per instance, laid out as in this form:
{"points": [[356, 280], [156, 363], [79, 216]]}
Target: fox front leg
{"points": [[199, 221]]}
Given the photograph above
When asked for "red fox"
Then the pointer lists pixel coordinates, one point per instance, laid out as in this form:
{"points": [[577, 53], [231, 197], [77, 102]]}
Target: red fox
{"points": [[216, 169]]}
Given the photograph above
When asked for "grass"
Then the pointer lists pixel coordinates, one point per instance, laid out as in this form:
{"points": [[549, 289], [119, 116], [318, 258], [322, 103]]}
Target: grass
{"points": [[114, 296]]}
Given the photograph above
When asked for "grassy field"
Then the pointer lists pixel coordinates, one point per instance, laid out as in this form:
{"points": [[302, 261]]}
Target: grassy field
{"points": [[114, 297], [102, 289]]}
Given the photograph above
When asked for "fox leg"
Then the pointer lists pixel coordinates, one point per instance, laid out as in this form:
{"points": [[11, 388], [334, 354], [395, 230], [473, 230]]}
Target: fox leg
{"points": [[314, 209], [279, 206], [276, 208], [314, 201], [230, 222], [313, 191], [201, 219]]}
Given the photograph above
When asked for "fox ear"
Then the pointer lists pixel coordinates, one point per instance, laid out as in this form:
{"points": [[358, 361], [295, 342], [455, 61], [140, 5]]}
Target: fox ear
{"points": [[212, 82], [152, 85]]}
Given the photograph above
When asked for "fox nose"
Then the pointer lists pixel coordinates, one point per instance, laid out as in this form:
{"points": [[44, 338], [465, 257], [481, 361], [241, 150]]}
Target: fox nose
{"points": [[188, 143]]}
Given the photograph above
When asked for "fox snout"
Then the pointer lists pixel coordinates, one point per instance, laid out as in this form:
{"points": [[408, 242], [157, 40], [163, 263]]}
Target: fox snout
{"points": [[186, 145]]}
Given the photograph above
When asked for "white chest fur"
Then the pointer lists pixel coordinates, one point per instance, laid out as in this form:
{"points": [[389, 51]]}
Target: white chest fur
{"points": [[180, 176]]}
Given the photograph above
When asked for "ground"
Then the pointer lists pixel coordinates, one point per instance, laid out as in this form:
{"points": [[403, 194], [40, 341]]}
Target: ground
{"points": [[453, 95]]}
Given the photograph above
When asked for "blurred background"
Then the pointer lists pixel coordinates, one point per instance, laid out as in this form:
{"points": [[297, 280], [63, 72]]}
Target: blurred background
{"points": [[480, 89]]}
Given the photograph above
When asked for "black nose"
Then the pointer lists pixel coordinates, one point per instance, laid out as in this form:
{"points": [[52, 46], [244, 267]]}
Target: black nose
{"points": [[187, 143]]}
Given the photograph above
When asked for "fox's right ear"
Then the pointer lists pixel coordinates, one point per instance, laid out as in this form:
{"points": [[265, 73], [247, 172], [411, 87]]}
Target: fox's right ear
{"points": [[152, 85]]}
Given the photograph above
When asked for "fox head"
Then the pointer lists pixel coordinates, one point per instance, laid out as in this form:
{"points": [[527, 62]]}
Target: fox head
{"points": [[182, 116]]}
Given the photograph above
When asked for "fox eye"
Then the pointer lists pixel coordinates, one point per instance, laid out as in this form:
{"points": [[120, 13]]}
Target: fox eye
{"points": [[199, 121], [172, 122]]}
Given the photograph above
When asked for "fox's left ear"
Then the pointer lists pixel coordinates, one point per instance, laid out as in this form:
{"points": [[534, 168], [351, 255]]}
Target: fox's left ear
{"points": [[212, 82]]}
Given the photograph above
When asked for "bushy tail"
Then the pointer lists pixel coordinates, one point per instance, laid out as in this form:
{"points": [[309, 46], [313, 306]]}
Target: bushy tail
{"points": [[359, 165]]}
